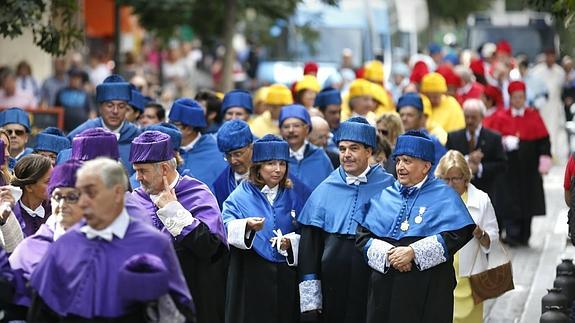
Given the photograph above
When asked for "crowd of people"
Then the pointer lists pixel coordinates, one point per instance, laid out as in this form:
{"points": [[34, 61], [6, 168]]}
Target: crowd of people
{"points": [[359, 201]]}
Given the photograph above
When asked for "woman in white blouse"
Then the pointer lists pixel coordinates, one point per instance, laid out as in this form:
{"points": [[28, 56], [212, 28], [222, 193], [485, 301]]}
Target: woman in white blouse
{"points": [[472, 258]]}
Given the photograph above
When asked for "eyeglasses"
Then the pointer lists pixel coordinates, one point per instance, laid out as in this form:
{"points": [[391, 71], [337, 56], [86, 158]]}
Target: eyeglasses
{"points": [[71, 198], [16, 132], [455, 180]]}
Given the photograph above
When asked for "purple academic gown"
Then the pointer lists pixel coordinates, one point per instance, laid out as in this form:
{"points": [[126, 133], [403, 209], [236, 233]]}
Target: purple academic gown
{"points": [[31, 224], [201, 246], [79, 277]]}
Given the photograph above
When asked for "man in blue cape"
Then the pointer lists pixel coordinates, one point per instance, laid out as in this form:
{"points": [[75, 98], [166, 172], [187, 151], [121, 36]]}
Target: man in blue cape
{"points": [[184, 209], [17, 123], [333, 275], [235, 142], [408, 236], [200, 151], [113, 96], [307, 162]]}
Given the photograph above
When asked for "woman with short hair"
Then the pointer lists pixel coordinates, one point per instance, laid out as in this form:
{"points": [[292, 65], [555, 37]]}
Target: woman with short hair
{"points": [[260, 219], [472, 258]]}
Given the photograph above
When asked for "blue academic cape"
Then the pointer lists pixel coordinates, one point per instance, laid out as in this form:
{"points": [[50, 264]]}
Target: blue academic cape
{"points": [[334, 204], [12, 161], [248, 201], [225, 184], [205, 161], [127, 134], [440, 207], [313, 168]]}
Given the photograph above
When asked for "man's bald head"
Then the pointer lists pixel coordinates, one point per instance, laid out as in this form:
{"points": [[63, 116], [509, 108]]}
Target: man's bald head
{"points": [[320, 132]]}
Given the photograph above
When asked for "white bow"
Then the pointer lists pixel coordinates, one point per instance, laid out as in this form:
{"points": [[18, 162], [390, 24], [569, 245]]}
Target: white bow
{"points": [[298, 156], [91, 233], [355, 180], [277, 241]]}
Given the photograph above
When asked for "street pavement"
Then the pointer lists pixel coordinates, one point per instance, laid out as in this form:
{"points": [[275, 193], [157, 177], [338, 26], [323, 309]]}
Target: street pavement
{"points": [[534, 267]]}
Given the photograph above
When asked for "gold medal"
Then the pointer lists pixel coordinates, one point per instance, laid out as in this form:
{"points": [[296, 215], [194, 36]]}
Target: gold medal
{"points": [[404, 225]]}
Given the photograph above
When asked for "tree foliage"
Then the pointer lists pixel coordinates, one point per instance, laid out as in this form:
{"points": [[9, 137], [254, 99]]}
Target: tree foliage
{"points": [[55, 32], [564, 10], [455, 11]]}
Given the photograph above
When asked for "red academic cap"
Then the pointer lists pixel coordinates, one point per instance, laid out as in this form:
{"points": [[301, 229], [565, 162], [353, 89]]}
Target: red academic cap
{"points": [[310, 68], [476, 67], [450, 77], [504, 47], [420, 69], [516, 86]]}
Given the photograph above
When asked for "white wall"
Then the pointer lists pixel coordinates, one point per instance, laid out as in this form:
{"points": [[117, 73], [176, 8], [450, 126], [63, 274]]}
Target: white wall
{"points": [[20, 48]]}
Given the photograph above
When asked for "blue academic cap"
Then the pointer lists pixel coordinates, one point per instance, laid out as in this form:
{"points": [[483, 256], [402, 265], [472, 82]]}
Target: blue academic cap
{"points": [[295, 111], [169, 129], [234, 134], [359, 130], [237, 98], [189, 112], [415, 143], [17, 116], [270, 147], [410, 100], [51, 139], [114, 87], [327, 97]]}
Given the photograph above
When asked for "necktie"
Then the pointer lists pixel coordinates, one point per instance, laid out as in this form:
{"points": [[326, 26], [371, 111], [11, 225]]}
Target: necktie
{"points": [[471, 141], [356, 180]]}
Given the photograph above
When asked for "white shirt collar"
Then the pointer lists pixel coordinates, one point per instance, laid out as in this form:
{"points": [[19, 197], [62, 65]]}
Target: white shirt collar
{"points": [[115, 131], [20, 154], [239, 177], [117, 228], [270, 193], [476, 132], [517, 112], [191, 145], [298, 154], [173, 184], [39, 212], [420, 184]]}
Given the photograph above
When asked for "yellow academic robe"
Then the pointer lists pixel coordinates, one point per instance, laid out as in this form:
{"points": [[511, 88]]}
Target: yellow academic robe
{"points": [[263, 125], [448, 114]]}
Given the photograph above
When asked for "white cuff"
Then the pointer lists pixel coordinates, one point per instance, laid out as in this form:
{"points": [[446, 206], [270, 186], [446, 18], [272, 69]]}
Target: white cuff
{"points": [[310, 295], [294, 241], [377, 255], [479, 171], [175, 217], [237, 235], [429, 252]]}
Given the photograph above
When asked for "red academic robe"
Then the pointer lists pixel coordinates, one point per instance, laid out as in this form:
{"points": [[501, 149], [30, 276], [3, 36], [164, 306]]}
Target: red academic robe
{"points": [[524, 195]]}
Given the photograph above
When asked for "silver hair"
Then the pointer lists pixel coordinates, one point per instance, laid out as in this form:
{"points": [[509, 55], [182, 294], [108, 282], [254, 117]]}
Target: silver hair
{"points": [[475, 105], [172, 163], [464, 73], [111, 172]]}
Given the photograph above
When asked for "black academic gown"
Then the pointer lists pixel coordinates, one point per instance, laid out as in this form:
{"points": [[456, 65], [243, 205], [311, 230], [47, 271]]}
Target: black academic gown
{"points": [[415, 296]]}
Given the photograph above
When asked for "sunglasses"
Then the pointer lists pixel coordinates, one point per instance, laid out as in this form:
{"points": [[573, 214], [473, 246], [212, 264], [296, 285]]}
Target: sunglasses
{"points": [[16, 132]]}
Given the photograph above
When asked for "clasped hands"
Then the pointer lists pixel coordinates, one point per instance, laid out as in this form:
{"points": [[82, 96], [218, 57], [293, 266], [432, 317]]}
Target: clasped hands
{"points": [[401, 258]]}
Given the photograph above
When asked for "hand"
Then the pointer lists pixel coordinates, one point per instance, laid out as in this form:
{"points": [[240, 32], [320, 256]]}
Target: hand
{"points": [[401, 257], [476, 156], [6, 197], [478, 232], [167, 195], [474, 167], [255, 224], [285, 244]]}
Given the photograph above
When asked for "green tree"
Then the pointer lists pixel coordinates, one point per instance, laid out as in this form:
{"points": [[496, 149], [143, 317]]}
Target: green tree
{"points": [[55, 32]]}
